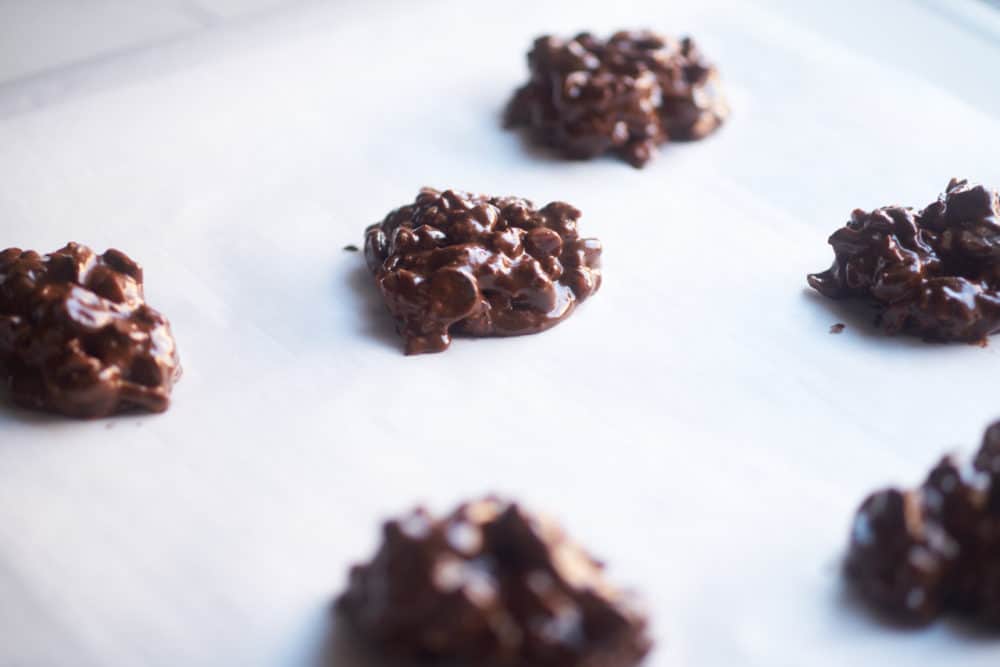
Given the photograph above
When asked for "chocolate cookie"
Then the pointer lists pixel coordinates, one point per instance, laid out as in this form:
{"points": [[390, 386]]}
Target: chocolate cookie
{"points": [[454, 262], [934, 273], [915, 554], [624, 95], [493, 586], [77, 337]]}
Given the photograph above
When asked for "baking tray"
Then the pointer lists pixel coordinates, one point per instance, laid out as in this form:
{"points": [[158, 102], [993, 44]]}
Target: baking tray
{"points": [[694, 424]]}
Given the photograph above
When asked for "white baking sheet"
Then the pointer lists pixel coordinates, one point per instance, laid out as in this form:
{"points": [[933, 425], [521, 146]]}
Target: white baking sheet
{"points": [[694, 423]]}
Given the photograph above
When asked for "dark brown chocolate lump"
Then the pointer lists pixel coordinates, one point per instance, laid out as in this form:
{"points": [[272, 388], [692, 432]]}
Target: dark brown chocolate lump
{"points": [[934, 273], [916, 554], [454, 262], [493, 586], [625, 95], [77, 337]]}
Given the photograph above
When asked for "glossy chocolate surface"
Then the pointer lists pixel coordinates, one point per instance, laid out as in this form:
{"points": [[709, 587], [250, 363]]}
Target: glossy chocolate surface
{"points": [[454, 262], [77, 337], [916, 554], [490, 585], [934, 273], [625, 95]]}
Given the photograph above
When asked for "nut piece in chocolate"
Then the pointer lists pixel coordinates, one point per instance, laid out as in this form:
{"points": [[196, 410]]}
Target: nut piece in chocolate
{"points": [[491, 585], [916, 554], [454, 262], [76, 335], [625, 95], [933, 273]]}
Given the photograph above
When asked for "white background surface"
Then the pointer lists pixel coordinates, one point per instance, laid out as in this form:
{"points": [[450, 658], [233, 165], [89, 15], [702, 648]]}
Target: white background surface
{"points": [[694, 423]]}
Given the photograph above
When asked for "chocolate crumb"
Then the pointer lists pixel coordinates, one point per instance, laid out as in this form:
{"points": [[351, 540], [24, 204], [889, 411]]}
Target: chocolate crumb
{"points": [[491, 585], [351, 248], [454, 262], [917, 554], [934, 273], [625, 95], [76, 335], [837, 328]]}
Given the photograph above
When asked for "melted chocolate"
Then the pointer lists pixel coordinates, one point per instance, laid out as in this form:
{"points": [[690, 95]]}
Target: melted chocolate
{"points": [[492, 585], [916, 554], [453, 262], [934, 273], [77, 337], [624, 95]]}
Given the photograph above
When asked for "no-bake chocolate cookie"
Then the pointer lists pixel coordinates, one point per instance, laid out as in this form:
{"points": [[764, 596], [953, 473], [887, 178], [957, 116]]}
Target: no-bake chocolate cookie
{"points": [[916, 554], [628, 94], [454, 262], [934, 273], [493, 586], [77, 337]]}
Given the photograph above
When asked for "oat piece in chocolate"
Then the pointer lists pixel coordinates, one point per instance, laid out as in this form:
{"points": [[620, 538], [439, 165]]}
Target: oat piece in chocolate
{"points": [[454, 262], [916, 554], [77, 337], [492, 585], [934, 273], [624, 95]]}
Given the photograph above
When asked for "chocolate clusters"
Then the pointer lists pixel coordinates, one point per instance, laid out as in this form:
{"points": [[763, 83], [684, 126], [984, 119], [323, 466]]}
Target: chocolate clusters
{"points": [[916, 554], [934, 273], [625, 95], [453, 262], [493, 586], [77, 337]]}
